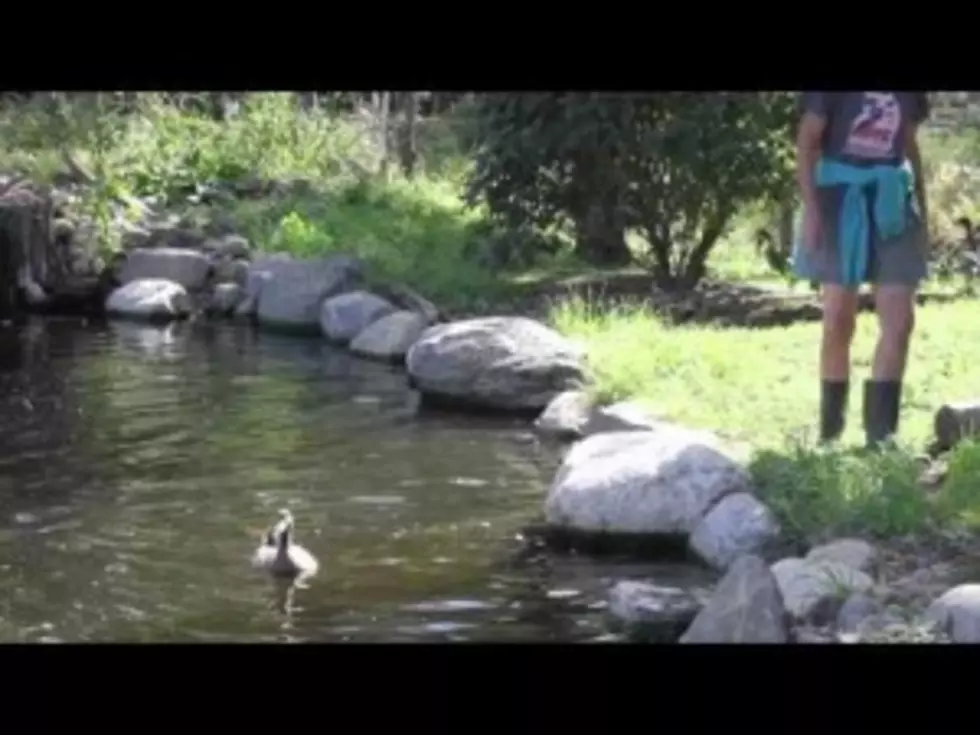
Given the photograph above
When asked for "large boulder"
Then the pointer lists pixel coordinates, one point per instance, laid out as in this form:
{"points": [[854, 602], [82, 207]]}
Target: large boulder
{"points": [[187, 268], [345, 316], [287, 294], [658, 482], [957, 613], [507, 363], [150, 299], [390, 337]]}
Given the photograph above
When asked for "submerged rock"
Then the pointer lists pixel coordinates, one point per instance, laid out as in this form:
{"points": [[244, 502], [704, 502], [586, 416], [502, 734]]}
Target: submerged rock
{"points": [[507, 363], [746, 607], [345, 316], [648, 482], [650, 612], [151, 299], [390, 337]]}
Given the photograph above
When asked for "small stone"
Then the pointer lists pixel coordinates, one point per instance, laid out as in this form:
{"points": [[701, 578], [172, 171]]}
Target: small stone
{"points": [[650, 612], [857, 609], [957, 613], [815, 590], [746, 607], [622, 416], [566, 415], [855, 553], [738, 524]]}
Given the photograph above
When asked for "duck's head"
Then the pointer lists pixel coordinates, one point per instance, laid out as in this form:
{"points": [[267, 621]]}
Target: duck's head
{"points": [[280, 533]]}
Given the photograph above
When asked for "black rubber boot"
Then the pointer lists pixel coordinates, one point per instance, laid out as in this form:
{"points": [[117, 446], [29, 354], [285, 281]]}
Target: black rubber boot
{"points": [[881, 402], [833, 408]]}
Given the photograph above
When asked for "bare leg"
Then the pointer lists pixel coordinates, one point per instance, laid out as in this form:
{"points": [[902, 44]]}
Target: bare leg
{"points": [[896, 317], [839, 317]]}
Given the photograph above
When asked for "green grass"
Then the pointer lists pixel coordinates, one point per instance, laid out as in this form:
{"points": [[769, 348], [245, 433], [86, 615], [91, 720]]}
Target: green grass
{"points": [[759, 387]]}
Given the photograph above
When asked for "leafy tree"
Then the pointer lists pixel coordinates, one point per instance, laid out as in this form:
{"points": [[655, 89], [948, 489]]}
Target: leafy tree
{"points": [[676, 167]]}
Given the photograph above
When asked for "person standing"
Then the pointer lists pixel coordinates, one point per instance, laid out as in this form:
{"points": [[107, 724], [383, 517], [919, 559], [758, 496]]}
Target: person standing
{"points": [[865, 220]]}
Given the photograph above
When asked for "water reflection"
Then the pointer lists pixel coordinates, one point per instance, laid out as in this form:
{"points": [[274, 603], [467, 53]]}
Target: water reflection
{"points": [[137, 463]]}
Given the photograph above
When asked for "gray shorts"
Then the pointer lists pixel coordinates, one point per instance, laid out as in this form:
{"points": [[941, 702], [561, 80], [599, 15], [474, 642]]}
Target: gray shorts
{"points": [[902, 260]]}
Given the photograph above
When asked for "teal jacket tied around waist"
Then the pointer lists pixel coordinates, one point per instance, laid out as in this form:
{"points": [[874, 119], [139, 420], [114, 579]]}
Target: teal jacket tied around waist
{"points": [[892, 187]]}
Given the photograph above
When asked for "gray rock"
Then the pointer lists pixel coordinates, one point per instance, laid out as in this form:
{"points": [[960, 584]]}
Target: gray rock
{"points": [[406, 298], [228, 246], [345, 316], [856, 611], [651, 612], [814, 591], [746, 607], [649, 482], [390, 337], [508, 363], [291, 292], [225, 298], [957, 613], [187, 268], [855, 553], [622, 416], [231, 271], [739, 524], [149, 299], [566, 415]]}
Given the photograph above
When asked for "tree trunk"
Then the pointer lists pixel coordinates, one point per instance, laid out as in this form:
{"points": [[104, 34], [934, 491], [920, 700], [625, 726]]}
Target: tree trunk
{"points": [[601, 240], [381, 102], [409, 147]]}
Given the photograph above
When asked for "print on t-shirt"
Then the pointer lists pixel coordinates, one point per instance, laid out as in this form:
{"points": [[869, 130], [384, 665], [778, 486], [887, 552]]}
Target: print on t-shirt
{"points": [[873, 131]]}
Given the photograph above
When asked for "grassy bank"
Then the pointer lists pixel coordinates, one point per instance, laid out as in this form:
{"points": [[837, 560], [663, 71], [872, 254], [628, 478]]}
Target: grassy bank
{"points": [[759, 387]]}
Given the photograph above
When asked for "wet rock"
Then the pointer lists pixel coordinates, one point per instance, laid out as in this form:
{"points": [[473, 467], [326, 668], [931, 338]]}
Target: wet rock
{"points": [[150, 299], [225, 298], [746, 607], [855, 553], [566, 415], [739, 524], [345, 316], [622, 416], [957, 613], [289, 293], [187, 268], [231, 271], [508, 363], [813, 591], [648, 482], [228, 246], [390, 337], [650, 612]]}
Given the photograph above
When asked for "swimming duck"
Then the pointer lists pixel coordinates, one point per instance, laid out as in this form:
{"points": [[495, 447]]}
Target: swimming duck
{"points": [[279, 556]]}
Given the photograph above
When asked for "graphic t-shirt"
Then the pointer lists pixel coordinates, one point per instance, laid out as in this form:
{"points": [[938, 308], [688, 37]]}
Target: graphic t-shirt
{"points": [[867, 128]]}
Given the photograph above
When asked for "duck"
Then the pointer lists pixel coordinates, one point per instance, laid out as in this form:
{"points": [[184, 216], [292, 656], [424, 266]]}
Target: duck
{"points": [[280, 556]]}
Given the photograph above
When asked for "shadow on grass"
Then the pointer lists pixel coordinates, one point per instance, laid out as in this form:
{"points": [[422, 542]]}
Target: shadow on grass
{"points": [[822, 493]]}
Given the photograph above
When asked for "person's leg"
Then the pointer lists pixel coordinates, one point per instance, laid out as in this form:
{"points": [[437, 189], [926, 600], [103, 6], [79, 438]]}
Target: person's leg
{"points": [[839, 319], [899, 267]]}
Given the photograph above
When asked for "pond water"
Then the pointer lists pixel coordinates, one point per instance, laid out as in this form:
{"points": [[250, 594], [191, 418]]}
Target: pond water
{"points": [[139, 465]]}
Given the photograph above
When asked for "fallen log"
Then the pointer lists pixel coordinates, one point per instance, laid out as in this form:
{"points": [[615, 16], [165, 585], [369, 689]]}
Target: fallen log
{"points": [[955, 422]]}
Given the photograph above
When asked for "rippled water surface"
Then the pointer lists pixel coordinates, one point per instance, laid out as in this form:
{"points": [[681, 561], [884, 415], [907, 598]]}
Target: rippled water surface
{"points": [[138, 466]]}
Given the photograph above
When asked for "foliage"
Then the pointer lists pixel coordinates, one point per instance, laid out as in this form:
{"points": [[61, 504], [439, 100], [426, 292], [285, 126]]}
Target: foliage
{"points": [[675, 166]]}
